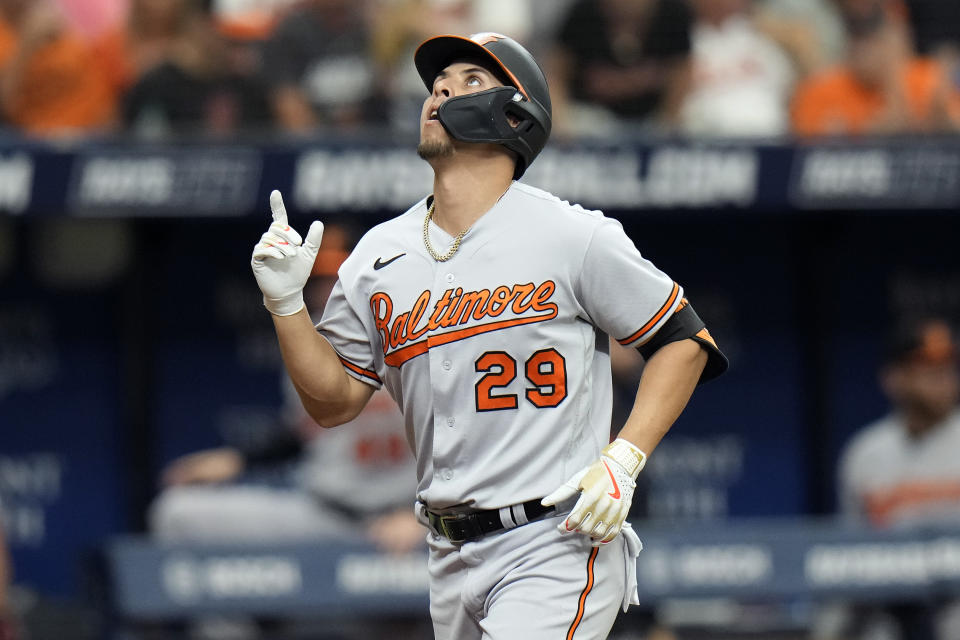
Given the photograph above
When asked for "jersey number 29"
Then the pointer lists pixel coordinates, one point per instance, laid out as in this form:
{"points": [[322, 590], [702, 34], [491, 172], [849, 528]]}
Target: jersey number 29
{"points": [[546, 370]]}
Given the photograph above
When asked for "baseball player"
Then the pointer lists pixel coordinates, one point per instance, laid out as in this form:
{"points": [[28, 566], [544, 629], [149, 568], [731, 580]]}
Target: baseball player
{"points": [[485, 311]]}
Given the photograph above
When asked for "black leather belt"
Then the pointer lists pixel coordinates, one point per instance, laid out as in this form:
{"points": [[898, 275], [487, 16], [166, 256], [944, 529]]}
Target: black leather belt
{"points": [[464, 527]]}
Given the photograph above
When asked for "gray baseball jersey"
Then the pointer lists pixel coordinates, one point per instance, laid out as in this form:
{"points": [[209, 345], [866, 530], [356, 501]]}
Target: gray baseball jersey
{"points": [[364, 467], [343, 479], [499, 357], [889, 478], [499, 361]]}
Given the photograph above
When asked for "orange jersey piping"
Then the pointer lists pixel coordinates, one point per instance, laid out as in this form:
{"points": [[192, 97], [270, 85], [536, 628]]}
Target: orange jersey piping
{"points": [[582, 604], [657, 317]]}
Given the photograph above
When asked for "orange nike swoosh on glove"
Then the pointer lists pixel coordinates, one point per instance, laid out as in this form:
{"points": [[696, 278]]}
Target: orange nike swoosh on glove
{"points": [[615, 494]]}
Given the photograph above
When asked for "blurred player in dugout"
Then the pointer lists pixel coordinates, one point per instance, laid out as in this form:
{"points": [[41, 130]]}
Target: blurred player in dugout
{"points": [[202, 502], [902, 472]]}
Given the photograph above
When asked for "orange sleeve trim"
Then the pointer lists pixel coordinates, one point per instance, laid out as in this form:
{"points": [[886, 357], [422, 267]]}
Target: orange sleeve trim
{"points": [[582, 604], [704, 335], [657, 317], [366, 373]]}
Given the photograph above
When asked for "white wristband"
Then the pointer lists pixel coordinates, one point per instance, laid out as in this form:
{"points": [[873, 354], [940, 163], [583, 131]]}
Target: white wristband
{"points": [[284, 306], [627, 455]]}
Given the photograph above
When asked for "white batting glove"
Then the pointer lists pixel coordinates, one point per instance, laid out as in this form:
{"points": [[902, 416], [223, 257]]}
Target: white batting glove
{"points": [[282, 262], [606, 491]]}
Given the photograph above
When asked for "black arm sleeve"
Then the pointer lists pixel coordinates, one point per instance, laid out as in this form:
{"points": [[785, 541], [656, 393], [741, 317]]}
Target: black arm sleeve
{"points": [[683, 324]]}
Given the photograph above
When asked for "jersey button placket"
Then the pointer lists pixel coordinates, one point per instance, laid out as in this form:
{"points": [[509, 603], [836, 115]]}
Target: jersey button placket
{"points": [[446, 439]]}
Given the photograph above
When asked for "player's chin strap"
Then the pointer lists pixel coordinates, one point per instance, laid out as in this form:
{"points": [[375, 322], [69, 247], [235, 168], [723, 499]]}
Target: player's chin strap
{"points": [[483, 117]]}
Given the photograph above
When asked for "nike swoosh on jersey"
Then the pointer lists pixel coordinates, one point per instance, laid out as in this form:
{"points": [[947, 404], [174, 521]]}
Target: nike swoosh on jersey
{"points": [[378, 264], [615, 494]]}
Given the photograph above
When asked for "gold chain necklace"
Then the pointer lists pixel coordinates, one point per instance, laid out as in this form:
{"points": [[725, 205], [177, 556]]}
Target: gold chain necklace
{"points": [[426, 238]]}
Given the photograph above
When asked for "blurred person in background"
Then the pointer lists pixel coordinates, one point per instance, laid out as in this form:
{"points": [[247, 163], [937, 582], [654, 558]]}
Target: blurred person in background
{"points": [[620, 61], [881, 87], [398, 26], [250, 19], [92, 17], [49, 82], [742, 77], [204, 85], [936, 33], [144, 39], [812, 31], [319, 69], [901, 472], [356, 478], [300, 483], [217, 495]]}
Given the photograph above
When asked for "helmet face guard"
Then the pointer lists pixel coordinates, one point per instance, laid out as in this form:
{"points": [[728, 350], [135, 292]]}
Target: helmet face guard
{"points": [[485, 116]]}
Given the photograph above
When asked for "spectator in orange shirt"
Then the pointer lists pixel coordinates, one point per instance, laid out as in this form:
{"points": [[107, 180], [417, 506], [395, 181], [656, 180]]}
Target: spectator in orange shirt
{"points": [[881, 88], [48, 82]]}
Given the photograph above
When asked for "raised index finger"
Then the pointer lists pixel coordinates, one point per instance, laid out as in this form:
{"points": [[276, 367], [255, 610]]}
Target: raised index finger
{"points": [[277, 210]]}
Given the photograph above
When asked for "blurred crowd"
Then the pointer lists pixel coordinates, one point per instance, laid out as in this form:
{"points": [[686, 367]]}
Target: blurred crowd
{"points": [[728, 68]]}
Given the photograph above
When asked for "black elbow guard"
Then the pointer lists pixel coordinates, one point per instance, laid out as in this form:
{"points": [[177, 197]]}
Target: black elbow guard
{"points": [[683, 324]]}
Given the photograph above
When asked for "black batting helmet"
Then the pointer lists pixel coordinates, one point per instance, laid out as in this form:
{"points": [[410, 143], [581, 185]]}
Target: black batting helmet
{"points": [[482, 116]]}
